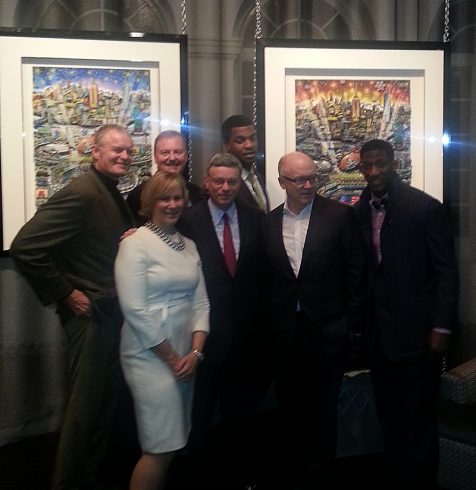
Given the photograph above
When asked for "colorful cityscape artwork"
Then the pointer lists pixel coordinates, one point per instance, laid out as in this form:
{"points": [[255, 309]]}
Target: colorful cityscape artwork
{"points": [[70, 104], [335, 117]]}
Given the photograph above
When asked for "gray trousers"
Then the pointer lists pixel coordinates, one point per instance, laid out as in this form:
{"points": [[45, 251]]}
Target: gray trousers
{"points": [[94, 374]]}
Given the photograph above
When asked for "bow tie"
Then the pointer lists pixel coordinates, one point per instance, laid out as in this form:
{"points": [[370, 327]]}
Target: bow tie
{"points": [[379, 203]]}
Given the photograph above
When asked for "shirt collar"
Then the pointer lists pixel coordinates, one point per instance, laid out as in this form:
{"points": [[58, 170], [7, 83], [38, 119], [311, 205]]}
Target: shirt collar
{"points": [[306, 211], [107, 181], [217, 213], [245, 172], [378, 204]]}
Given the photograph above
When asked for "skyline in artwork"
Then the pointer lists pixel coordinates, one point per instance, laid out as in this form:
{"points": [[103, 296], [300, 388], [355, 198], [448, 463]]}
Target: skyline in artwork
{"points": [[69, 104], [335, 117]]}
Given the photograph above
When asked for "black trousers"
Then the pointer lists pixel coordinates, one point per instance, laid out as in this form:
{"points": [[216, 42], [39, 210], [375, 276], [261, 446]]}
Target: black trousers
{"points": [[405, 394], [223, 443], [308, 380]]}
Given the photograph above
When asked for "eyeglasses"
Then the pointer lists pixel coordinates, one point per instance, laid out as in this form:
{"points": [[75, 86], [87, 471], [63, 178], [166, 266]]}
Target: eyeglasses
{"points": [[221, 182], [300, 181]]}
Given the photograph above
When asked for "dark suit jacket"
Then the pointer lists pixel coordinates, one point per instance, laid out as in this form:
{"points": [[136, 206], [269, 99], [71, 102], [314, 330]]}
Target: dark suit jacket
{"points": [[246, 197], [330, 285], [234, 301], [72, 241], [415, 288]]}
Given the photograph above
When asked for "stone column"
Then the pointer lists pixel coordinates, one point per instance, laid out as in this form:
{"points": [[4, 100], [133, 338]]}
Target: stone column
{"points": [[204, 78]]}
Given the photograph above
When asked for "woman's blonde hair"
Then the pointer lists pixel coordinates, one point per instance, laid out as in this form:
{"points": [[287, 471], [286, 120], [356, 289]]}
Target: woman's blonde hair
{"points": [[158, 185]]}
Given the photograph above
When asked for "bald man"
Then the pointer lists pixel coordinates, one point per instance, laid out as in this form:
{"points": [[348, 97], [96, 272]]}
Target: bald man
{"points": [[316, 261]]}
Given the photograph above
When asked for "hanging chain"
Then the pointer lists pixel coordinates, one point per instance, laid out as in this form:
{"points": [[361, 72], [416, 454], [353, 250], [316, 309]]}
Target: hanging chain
{"points": [[186, 118], [258, 34], [446, 31], [183, 4], [446, 38]]}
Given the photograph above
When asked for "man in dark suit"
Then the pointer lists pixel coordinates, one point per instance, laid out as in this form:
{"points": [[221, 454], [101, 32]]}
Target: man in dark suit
{"points": [[67, 252], [239, 139], [316, 269], [232, 375], [412, 307], [170, 155]]}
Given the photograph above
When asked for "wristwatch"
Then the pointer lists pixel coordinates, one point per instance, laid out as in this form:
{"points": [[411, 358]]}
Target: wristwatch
{"points": [[199, 354]]}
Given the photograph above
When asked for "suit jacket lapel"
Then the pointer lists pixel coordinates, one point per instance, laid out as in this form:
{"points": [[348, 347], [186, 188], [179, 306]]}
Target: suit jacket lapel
{"points": [[314, 230], [206, 221], [276, 239], [109, 206], [243, 229], [262, 183]]}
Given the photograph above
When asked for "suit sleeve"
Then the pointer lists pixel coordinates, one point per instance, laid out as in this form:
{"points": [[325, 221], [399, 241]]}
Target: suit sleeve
{"points": [[440, 247], [354, 249], [34, 248]]}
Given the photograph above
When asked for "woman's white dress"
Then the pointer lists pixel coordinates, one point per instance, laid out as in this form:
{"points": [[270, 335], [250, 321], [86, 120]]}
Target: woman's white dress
{"points": [[163, 296]]}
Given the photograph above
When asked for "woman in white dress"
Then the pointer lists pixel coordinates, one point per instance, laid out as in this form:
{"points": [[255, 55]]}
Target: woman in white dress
{"points": [[163, 297]]}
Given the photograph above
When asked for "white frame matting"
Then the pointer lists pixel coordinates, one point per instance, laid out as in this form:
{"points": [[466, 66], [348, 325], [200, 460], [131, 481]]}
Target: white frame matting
{"points": [[18, 54], [282, 64]]}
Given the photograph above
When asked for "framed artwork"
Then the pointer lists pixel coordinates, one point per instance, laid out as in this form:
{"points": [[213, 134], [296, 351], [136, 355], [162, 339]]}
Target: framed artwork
{"points": [[327, 98], [56, 91]]}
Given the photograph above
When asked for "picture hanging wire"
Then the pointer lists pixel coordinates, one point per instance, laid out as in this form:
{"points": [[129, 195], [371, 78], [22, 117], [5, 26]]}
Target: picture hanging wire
{"points": [[186, 120], [446, 22], [446, 38], [258, 35]]}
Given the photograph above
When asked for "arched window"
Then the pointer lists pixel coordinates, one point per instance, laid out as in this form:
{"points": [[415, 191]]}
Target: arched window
{"points": [[310, 19]]}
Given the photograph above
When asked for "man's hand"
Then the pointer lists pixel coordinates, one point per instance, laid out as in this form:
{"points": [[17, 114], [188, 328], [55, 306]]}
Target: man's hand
{"points": [[439, 343], [127, 233], [78, 303]]}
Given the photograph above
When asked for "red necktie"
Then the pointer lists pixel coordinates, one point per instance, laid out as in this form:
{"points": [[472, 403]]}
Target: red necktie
{"points": [[228, 248]]}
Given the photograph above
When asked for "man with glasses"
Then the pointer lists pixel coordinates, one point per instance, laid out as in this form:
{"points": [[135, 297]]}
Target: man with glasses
{"points": [[315, 259], [231, 377]]}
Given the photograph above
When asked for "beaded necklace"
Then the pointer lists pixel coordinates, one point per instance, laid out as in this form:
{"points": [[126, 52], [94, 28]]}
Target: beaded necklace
{"points": [[166, 236]]}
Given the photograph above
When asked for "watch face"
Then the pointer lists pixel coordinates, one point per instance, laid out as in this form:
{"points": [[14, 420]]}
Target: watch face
{"points": [[199, 354]]}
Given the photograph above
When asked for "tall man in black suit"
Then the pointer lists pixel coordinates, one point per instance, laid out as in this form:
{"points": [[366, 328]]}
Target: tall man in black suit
{"points": [[231, 376], [412, 308], [316, 269], [239, 139], [67, 252]]}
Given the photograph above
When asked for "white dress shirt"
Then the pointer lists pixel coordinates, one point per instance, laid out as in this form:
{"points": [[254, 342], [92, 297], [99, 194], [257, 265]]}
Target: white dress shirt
{"points": [[294, 234], [218, 223]]}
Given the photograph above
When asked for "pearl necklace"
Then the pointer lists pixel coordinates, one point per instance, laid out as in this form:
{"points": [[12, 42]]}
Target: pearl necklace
{"points": [[166, 237]]}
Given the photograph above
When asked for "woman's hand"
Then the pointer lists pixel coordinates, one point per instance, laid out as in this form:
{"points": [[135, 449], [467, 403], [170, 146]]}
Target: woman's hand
{"points": [[186, 366]]}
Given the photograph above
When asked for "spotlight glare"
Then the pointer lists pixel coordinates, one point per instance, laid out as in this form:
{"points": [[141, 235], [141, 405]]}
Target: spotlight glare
{"points": [[446, 139]]}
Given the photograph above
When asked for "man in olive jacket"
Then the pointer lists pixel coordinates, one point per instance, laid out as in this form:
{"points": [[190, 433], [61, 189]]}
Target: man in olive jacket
{"points": [[67, 252]]}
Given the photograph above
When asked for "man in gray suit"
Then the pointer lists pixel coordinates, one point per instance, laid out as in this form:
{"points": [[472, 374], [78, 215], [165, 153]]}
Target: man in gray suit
{"points": [[67, 252]]}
